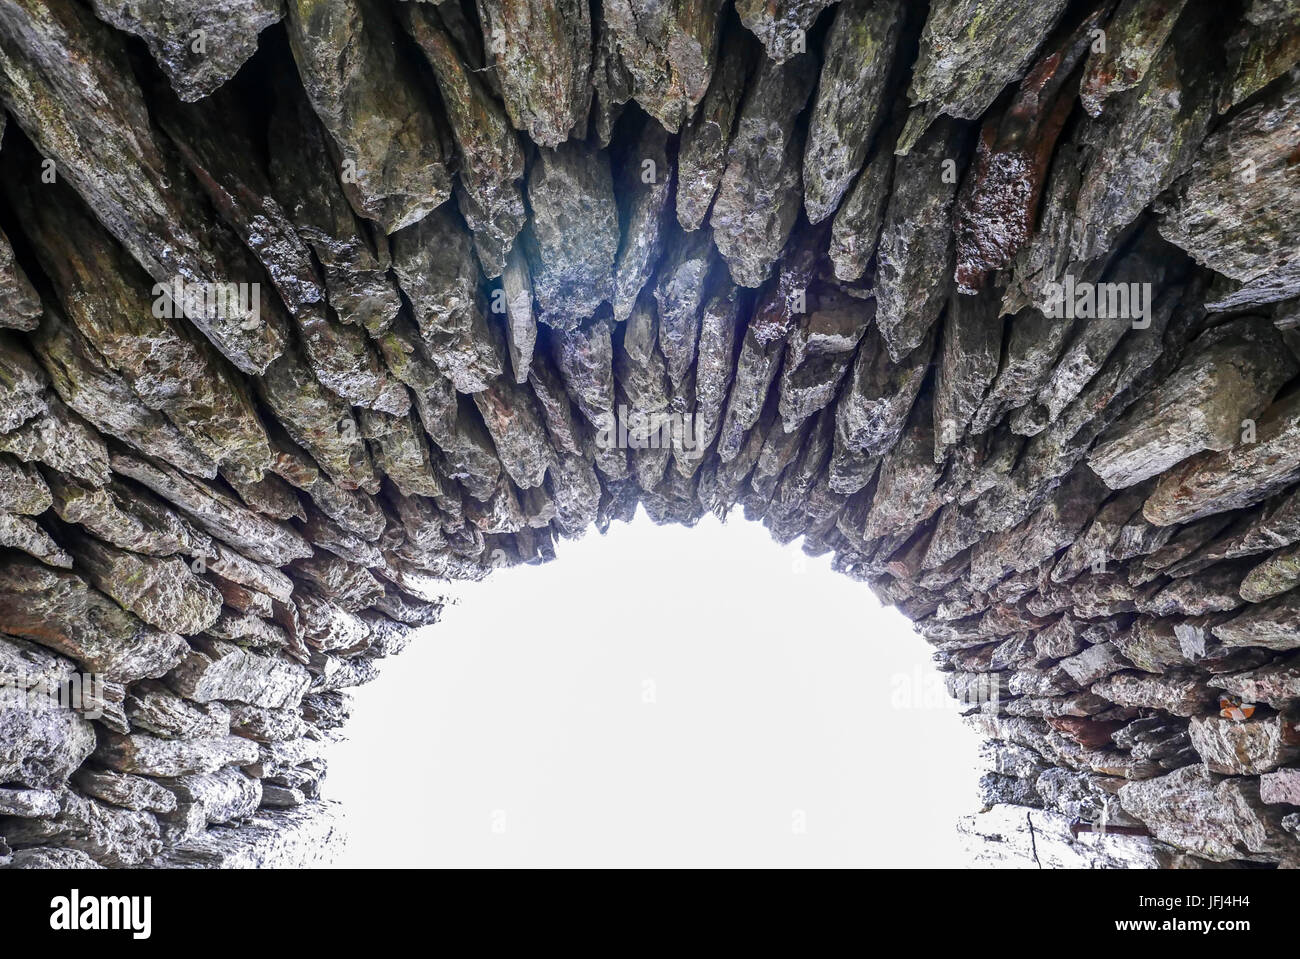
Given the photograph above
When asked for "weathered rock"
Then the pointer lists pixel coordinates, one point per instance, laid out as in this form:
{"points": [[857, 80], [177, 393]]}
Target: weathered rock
{"points": [[390, 153], [1251, 747], [915, 253], [705, 140], [162, 592], [970, 50], [818, 352], [219, 670], [782, 25], [998, 204], [1265, 46], [1282, 786], [573, 237], [125, 790], [108, 835], [41, 744], [94, 126], [226, 36], [967, 366], [435, 264], [1204, 405], [669, 52], [147, 755], [20, 306], [22, 384], [1217, 819], [220, 514], [302, 171], [850, 103], [542, 54], [1226, 211], [758, 199], [1241, 476], [225, 796], [155, 709], [59, 610], [491, 161]]}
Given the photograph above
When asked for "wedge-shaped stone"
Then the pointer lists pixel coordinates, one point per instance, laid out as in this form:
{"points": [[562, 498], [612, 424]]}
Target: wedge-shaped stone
{"points": [[60, 610], [20, 306], [106, 834], [573, 236], [542, 54], [850, 103], [915, 253], [228, 32], [318, 420], [39, 747], [126, 516], [214, 669], [66, 79], [226, 795], [491, 161], [782, 25], [970, 50], [389, 146], [221, 515], [819, 351], [669, 51], [644, 182], [702, 154], [125, 790], [1134, 36], [303, 172], [759, 197]]}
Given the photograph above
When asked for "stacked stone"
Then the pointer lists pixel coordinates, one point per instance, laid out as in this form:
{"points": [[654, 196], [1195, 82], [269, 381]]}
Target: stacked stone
{"points": [[849, 244]]}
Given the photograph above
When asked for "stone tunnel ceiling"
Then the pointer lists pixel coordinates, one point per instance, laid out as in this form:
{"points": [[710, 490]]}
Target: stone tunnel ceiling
{"points": [[309, 306]]}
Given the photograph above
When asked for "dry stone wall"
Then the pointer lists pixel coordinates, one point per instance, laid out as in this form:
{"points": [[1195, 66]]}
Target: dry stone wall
{"points": [[307, 307]]}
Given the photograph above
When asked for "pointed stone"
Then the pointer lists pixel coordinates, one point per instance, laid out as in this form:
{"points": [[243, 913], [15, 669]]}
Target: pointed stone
{"points": [[915, 253], [435, 265], [389, 148], [541, 51], [572, 268], [228, 31], [669, 50], [702, 154], [759, 197], [850, 103], [491, 162], [781, 25]]}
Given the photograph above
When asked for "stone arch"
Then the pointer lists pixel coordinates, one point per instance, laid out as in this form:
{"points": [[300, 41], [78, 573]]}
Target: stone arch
{"points": [[319, 305]]}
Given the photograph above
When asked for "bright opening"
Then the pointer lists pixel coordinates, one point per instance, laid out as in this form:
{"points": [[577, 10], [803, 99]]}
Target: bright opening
{"points": [[659, 696]]}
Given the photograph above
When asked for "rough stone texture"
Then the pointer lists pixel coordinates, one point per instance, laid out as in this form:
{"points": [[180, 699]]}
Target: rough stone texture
{"points": [[195, 65], [491, 246]]}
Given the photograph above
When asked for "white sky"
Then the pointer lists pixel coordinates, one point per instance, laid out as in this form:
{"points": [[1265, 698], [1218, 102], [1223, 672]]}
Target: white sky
{"points": [[659, 696]]}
